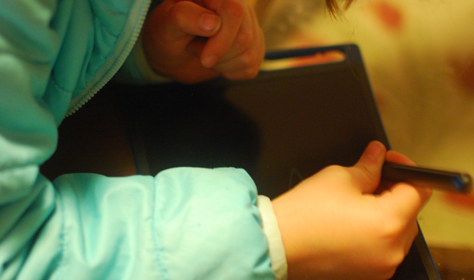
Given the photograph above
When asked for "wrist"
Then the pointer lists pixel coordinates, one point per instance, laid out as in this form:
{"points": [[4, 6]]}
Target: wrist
{"points": [[293, 229], [272, 232]]}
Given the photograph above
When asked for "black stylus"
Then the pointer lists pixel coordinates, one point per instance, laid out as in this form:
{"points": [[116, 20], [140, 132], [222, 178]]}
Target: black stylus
{"points": [[426, 177]]}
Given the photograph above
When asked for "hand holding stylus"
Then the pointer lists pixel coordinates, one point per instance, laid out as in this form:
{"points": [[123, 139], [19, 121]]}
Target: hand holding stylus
{"points": [[426, 177], [337, 225]]}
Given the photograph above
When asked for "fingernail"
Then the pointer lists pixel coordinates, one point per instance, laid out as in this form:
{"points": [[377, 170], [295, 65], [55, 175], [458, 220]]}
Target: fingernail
{"points": [[209, 61], [209, 22], [374, 151]]}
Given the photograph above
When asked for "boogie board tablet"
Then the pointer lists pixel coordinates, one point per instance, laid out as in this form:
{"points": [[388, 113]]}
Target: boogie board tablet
{"points": [[281, 127]]}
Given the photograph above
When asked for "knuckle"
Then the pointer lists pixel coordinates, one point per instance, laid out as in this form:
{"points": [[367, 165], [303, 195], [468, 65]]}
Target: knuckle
{"points": [[334, 168], [244, 40], [247, 65], [392, 228], [250, 73], [337, 169], [390, 231], [387, 273], [242, 75], [392, 261], [390, 225], [175, 14], [234, 8], [249, 59], [395, 259], [386, 264]]}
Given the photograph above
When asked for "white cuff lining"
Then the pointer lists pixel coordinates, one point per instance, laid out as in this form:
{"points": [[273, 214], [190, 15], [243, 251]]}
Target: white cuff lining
{"points": [[275, 243]]}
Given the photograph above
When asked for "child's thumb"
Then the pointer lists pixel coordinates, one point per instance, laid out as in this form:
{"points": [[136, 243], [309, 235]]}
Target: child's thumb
{"points": [[369, 167]]}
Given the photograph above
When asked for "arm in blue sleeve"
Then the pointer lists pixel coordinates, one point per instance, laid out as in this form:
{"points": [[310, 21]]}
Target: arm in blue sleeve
{"points": [[28, 132], [185, 223], [182, 224]]}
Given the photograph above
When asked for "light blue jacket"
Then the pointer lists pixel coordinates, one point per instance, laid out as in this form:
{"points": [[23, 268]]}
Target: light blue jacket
{"points": [[184, 223]]}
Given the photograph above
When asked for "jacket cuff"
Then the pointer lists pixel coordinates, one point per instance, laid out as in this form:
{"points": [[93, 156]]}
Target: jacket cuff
{"points": [[275, 243], [136, 69]]}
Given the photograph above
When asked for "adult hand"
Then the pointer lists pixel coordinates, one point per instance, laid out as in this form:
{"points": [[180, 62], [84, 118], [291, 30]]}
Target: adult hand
{"points": [[196, 40], [342, 223]]}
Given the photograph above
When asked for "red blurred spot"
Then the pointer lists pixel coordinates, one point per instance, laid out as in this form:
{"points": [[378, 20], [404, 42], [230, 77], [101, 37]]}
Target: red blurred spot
{"points": [[320, 58], [464, 73], [301, 40], [390, 15], [466, 202]]}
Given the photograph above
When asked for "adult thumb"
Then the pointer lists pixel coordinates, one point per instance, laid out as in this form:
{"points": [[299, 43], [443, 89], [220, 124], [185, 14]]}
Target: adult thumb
{"points": [[369, 167]]}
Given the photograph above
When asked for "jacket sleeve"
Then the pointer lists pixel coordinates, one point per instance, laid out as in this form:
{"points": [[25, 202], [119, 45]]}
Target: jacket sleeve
{"points": [[185, 223], [182, 224], [28, 131]]}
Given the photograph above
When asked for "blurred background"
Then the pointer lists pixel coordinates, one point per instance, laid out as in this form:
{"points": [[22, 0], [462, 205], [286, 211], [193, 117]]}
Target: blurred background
{"points": [[419, 55]]}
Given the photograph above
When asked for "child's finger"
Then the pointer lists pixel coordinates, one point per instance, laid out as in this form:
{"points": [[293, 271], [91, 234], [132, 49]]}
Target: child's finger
{"points": [[232, 13], [394, 156], [369, 167], [405, 201], [189, 18], [246, 54], [407, 195]]}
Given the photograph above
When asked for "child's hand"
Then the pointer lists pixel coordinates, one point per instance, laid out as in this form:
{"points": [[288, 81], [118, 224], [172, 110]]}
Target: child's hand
{"points": [[334, 227], [196, 40]]}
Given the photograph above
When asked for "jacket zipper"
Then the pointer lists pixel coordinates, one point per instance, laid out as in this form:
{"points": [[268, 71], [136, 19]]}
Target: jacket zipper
{"points": [[116, 66]]}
